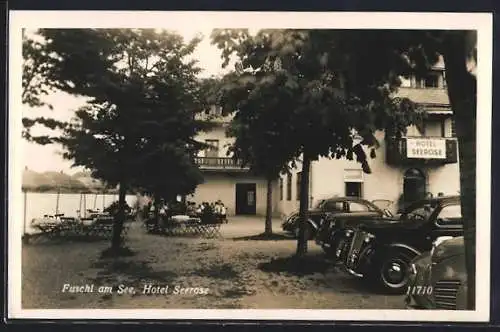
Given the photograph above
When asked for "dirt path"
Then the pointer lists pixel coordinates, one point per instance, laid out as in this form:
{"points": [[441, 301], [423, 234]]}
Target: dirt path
{"points": [[233, 272]]}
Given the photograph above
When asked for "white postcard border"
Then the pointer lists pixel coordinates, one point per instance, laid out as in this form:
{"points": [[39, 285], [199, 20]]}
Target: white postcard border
{"points": [[482, 22]]}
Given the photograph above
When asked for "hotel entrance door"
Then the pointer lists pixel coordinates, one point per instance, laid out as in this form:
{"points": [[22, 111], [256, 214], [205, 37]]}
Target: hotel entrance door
{"points": [[246, 198]]}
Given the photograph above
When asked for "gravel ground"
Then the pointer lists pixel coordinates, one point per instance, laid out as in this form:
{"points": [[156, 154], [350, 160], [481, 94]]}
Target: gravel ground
{"points": [[238, 270]]}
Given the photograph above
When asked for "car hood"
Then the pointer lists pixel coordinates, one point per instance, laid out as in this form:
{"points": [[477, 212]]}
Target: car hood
{"points": [[310, 211], [379, 223], [449, 248]]}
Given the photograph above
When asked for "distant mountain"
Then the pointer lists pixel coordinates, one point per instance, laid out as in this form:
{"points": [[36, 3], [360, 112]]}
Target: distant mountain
{"points": [[59, 181], [88, 181], [33, 179]]}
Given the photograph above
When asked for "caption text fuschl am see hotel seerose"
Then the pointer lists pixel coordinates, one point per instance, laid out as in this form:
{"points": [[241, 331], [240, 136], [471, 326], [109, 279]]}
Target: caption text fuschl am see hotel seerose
{"points": [[146, 289]]}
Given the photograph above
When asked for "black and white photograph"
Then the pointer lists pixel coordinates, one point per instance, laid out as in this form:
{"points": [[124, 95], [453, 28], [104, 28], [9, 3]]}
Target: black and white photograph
{"points": [[250, 165]]}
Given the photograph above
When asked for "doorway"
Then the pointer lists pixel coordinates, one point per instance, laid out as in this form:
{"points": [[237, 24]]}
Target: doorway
{"points": [[414, 185], [246, 198]]}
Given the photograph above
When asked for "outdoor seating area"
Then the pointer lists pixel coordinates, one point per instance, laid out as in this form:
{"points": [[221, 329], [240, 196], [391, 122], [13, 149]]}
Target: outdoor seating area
{"points": [[69, 228], [184, 226]]}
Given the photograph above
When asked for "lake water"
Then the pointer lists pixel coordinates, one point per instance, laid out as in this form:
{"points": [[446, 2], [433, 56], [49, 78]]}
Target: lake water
{"points": [[40, 204]]}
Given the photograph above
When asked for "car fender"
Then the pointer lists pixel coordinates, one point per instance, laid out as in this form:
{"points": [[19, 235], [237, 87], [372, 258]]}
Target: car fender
{"points": [[404, 247]]}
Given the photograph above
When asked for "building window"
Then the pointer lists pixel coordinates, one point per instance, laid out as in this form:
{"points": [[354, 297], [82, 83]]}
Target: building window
{"points": [[214, 111], [281, 188], [431, 81], [453, 128], [353, 189], [434, 128], [353, 182], [289, 187], [213, 150], [299, 180]]}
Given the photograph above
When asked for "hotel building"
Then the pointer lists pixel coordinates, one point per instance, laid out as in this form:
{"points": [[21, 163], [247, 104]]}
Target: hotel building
{"points": [[423, 163]]}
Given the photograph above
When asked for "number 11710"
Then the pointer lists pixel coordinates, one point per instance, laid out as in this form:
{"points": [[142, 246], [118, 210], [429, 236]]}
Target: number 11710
{"points": [[419, 290]]}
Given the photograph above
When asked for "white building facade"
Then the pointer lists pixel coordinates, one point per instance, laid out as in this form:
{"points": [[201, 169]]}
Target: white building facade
{"points": [[423, 163], [242, 192]]}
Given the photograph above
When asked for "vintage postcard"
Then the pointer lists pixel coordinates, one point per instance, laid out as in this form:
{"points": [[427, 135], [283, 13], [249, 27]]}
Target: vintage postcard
{"points": [[249, 166]]}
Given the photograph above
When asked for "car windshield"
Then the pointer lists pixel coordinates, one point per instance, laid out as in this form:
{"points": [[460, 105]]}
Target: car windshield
{"points": [[382, 203], [320, 204], [373, 208], [347, 205]]}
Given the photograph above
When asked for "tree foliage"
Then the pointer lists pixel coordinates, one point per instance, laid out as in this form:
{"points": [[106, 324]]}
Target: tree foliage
{"points": [[306, 94], [138, 127], [36, 85]]}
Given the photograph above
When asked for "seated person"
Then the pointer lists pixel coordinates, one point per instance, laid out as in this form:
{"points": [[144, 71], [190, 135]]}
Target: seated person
{"points": [[223, 212]]}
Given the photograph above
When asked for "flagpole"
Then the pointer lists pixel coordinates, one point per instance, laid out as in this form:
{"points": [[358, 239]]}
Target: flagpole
{"points": [[25, 208], [80, 206], [85, 205], [57, 200]]}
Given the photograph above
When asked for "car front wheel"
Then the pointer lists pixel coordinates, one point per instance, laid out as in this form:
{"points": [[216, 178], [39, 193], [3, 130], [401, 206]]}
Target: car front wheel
{"points": [[394, 272]]}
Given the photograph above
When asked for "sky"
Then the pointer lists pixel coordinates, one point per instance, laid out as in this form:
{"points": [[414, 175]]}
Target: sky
{"points": [[48, 158]]}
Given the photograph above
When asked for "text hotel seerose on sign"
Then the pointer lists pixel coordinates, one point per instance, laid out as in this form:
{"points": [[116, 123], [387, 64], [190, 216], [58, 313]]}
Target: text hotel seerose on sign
{"points": [[426, 148]]}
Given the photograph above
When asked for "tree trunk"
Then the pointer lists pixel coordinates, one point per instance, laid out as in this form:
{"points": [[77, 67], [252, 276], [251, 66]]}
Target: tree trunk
{"points": [[304, 206], [116, 241], [157, 210], [462, 94], [269, 207]]}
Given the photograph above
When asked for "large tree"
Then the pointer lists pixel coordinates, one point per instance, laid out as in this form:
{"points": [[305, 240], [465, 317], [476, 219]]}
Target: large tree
{"points": [[141, 115], [325, 93], [260, 141], [458, 49]]}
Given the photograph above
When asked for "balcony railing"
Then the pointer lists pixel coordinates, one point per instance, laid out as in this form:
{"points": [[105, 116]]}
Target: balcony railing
{"points": [[214, 118], [422, 150], [219, 163]]}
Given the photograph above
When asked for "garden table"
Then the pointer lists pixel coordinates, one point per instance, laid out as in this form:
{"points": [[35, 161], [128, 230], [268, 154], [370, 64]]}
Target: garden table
{"points": [[187, 227]]}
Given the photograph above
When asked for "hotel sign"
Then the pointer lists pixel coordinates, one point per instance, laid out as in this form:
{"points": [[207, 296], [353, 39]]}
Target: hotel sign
{"points": [[426, 148]]}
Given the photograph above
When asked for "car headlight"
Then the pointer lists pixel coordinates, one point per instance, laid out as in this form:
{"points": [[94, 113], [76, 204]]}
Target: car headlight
{"points": [[369, 237], [348, 232]]}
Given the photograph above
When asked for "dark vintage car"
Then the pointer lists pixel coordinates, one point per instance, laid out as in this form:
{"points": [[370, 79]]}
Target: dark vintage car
{"points": [[335, 230], [334, 205], [383, 252], [439, 277]]}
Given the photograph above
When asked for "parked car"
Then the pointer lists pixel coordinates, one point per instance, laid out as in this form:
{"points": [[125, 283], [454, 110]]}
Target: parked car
{"points": [[334, 232], [334, 205], [442, 282], [383, 251]]}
